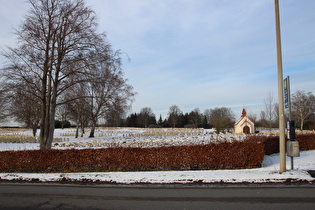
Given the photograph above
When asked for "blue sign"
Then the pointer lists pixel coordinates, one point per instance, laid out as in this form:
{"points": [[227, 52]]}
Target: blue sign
{"points": [[286, 92]]}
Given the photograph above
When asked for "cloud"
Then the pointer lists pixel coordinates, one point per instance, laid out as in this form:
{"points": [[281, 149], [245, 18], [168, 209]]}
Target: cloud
{"points": [[204, 53]]}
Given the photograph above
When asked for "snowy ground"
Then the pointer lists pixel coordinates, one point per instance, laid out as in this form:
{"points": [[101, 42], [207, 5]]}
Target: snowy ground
{"points": [[126, 137], [269, 172]]}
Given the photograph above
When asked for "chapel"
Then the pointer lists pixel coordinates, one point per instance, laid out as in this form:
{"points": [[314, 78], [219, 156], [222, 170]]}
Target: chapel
{"points": [[244, 125]]}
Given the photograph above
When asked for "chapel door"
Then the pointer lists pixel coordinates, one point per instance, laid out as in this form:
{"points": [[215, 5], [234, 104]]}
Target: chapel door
{"points": [[246, 130]]}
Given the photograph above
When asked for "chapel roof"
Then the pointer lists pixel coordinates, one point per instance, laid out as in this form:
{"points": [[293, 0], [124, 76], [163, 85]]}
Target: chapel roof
{"points": [[244, 116], [243, 112]]}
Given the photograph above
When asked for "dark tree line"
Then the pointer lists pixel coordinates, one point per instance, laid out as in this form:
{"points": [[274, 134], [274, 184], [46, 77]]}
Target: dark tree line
{"points": [[220, 118]]}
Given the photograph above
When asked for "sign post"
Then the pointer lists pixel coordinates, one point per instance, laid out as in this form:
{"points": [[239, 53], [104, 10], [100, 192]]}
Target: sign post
{"points": [[292, 144]]}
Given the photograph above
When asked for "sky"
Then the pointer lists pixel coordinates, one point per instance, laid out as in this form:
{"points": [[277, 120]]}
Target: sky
{"points": [[200, 53]]}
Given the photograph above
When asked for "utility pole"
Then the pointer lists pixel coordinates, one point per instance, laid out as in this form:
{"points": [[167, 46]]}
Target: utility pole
{"points": [[280, 92]]}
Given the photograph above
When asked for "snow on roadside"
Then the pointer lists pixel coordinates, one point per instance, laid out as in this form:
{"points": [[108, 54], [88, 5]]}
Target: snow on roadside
{"points": [[269, 172]]}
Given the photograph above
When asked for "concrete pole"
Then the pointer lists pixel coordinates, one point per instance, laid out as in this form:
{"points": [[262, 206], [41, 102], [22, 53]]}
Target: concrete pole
{"points": [[280, 93]]}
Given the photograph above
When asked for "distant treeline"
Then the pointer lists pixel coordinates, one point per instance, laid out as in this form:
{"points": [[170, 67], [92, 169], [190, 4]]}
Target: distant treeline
{"points": [[220, 118]]}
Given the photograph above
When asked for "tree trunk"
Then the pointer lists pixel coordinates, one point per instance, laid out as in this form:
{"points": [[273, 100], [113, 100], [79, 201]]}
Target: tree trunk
{"points": [[77, 131], [43, 123], [302, 122], [47, 138], [92, 130], [34, 130], [43, 127], [94, 122], [51, 124], [47, 131], [82, 129]]}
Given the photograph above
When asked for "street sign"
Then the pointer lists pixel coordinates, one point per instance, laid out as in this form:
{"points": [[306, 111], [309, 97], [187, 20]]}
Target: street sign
{"points": [[286, 89]]}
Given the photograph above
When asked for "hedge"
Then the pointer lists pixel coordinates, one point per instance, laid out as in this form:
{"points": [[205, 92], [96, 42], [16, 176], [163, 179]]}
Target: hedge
{"points": [[271, 143], [225, 155], [235, 155]]}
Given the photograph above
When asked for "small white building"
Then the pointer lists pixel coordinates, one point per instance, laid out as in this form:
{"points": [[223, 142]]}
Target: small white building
{"points": [[244, 125]]}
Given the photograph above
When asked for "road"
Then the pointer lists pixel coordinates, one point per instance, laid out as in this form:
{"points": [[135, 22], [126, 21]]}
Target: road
{"points": [[66, 196]]}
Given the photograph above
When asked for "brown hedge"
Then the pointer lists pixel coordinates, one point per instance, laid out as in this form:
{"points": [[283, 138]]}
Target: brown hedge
{"points": [[306, 141], [244, 154], [271, 143], [238, 154]]}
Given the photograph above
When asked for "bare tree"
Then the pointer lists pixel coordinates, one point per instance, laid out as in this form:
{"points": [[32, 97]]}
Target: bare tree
{"points": [[116, 111], [78, 108], [207, 114], [114, 115], [303, 105], [145, 116], [25, 106], [107, 91], [269, 109], [253, 117], [222, 118], [4, 105], [62, 114], [173, 115], [263, 119], [56, 42], [276, 108]]}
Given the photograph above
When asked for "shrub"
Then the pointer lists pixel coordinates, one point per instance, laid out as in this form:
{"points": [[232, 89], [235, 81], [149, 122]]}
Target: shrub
{"points": [[271, 143], [238, 154], [226, 155]]}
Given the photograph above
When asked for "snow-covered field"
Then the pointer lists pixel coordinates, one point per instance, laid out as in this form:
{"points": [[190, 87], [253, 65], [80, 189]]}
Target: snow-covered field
{"points": [[125, 137], [269, 172]]}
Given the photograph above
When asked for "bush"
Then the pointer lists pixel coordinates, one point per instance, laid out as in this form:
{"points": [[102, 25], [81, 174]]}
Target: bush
{"points": [[235, 155], [271, 143], [306, 141]]}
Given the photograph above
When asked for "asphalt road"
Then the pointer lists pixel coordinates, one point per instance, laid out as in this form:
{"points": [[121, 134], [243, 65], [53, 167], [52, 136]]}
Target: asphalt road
{"points": [[64, 196]]}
